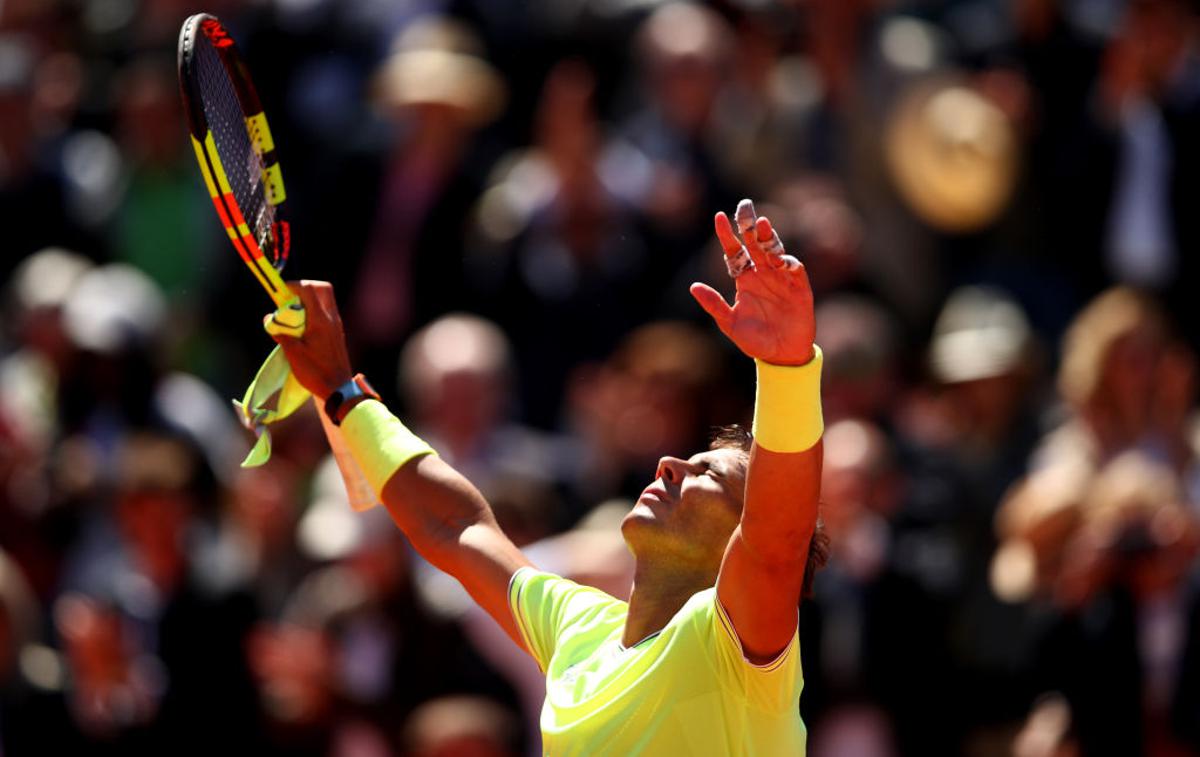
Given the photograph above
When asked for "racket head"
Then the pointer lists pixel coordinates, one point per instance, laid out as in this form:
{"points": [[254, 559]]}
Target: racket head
{"points": [[235, 149]]}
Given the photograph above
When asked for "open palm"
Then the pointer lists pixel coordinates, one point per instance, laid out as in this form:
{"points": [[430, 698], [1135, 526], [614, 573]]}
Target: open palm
{"points": [[772, 314]]}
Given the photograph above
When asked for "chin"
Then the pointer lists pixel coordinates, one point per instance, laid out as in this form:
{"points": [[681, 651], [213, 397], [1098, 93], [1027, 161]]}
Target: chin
{"points": [[636, 522], [639, 513]]}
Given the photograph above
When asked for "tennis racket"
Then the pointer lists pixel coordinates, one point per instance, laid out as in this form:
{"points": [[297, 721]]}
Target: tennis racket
{"points": [[237, 158], [235, 150]]}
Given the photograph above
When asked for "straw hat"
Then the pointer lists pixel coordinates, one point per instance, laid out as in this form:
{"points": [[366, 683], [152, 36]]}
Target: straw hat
{"points": [[437, 61], [952, 155]]}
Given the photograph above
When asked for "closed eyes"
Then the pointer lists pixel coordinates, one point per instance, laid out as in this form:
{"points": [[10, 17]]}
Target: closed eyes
{"points": [[708, 468]]}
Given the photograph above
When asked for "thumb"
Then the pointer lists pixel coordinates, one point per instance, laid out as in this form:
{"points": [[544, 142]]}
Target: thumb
{"points": [[714, 304]]}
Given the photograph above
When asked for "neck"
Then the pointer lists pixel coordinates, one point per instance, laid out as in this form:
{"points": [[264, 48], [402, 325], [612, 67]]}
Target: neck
{"points": [[658, 593]]}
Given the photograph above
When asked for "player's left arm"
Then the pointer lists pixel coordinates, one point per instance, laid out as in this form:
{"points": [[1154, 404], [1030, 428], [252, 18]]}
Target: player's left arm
{"points": [[771, 320]]}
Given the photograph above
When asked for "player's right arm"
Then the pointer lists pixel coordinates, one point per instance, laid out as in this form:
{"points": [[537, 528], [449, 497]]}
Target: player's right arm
{"points": [[443, 515]]}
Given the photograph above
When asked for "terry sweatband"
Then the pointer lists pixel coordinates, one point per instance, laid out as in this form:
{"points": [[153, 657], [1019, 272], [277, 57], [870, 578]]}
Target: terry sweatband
{"points": [[379, 442], [787, 405]]}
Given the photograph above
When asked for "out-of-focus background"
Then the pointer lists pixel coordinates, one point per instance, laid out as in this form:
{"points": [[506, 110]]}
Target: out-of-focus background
{"points": [[999, 205]]}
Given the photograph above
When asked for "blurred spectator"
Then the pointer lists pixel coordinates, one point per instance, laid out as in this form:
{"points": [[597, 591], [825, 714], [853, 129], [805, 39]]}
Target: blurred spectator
{"points": [[1109, 365], [460, 726], [1173, 418], [1050, 150], [1034, 522], [162, 222], [658, 391], [963, 437], [1114, 161], [115, 689], [33, 197], [114, 318], [1122, 600], [255, 546], [861, 349], [292, 666], [983, 357], [457, 375], [1047, 731], [861, 490], [683, 52], [557, 258], [437, 90], [40, 353], [1148, 90], [146, 611], [33, 712], [339, 664]]}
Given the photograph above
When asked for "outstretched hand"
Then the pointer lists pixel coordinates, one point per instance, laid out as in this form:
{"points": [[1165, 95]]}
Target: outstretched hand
{"points": [[772, 314], [318, 357]]}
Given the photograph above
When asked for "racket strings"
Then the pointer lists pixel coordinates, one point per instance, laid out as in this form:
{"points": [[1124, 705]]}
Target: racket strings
{"points": [[242, 164]]}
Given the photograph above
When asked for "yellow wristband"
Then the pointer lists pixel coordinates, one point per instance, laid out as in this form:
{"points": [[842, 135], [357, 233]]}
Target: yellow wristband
{"points": [[787, 405], [379, 442]]}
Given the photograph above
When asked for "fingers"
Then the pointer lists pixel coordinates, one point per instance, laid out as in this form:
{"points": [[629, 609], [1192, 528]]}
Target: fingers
{"points": [[714, 304], [316, 296], [766, 236], [772, 247], [737, 259], [746, 216], [762, 240], [322, 295], [747, 221], [730, 242]]}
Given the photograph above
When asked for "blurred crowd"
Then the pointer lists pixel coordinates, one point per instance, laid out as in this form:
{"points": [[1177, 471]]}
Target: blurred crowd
{"points": [[993, 199]]}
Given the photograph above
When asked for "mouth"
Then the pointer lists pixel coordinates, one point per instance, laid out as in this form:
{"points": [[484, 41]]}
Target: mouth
{"points": [[651, 494]]}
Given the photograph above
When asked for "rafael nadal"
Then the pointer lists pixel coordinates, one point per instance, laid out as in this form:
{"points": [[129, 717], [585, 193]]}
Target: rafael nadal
{"points": [[704, 657]]}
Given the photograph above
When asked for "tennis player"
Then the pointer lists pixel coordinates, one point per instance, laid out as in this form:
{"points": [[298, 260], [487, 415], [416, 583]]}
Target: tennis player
{"points": [[704, 657]]}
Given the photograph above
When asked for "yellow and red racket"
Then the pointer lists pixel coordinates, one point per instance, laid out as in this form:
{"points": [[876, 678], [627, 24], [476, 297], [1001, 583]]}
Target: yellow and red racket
{"points": [[238, 161], [235, 150]]}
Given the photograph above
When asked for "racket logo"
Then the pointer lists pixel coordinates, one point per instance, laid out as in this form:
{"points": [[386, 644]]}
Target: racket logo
{"points": [[216, 33]]}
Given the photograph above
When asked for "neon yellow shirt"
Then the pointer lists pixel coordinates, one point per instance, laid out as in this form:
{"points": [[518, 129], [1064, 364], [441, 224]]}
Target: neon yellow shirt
{"points": [[687, 690]]}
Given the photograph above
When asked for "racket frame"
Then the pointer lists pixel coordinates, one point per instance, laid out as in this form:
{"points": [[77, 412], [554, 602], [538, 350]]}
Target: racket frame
{"points": [[266, 265]]}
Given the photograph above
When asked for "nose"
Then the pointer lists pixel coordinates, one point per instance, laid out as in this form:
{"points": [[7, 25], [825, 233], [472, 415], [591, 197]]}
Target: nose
{"points": [[672, 470]]}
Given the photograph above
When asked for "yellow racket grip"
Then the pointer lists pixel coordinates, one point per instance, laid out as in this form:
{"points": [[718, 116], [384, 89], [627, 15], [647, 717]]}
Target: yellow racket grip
{"points": [[288, 319]]}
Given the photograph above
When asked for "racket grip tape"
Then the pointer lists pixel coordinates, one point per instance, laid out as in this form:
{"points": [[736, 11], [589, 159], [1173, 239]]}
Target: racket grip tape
{"points": [[288, 319]]}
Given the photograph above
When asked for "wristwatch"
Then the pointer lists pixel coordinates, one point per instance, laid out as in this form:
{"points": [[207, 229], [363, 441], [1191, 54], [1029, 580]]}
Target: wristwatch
{"points": [[342, 400]]}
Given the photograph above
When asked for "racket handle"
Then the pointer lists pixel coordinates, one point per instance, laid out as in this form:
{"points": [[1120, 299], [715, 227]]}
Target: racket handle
{"points": [[288, 319]]}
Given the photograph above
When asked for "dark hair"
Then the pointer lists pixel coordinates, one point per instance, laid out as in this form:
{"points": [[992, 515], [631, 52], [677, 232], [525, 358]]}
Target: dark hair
{"points": [[740, 438]]}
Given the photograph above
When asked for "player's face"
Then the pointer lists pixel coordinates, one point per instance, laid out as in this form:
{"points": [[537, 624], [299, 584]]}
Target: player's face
{"points": [[690, 510]]}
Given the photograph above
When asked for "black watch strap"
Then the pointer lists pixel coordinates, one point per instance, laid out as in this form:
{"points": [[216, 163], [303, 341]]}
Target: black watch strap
{"points": [[343, 399]]}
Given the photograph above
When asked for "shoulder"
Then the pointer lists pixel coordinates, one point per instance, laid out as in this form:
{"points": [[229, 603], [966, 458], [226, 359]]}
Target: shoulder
{"points": [[550, 610], [703, 626], [545, 598]]}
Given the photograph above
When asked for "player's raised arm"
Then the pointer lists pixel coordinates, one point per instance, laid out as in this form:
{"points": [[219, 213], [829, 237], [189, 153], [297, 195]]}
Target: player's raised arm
{"points": [[441, 512], [771, 321]]}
